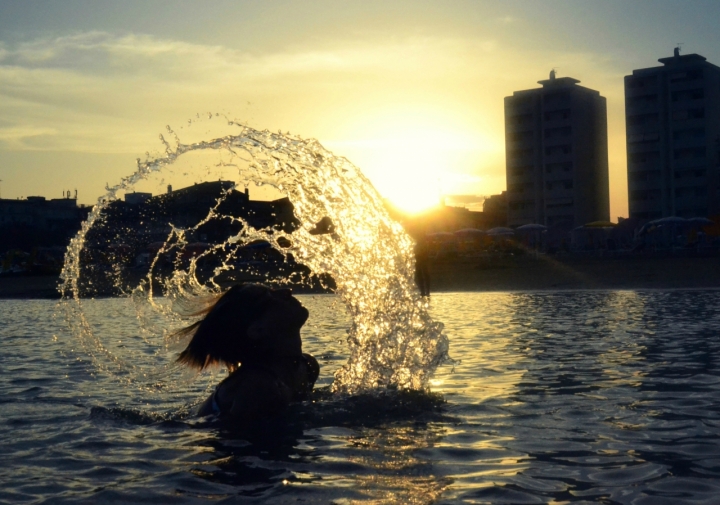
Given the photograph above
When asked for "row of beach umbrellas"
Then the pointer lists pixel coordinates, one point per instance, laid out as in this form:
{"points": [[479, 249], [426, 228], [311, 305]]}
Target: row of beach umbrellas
{"points": [[499, 231], [675, 222]]}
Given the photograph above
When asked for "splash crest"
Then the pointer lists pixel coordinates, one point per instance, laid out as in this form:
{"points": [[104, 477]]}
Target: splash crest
{"points": [[368, 260]]}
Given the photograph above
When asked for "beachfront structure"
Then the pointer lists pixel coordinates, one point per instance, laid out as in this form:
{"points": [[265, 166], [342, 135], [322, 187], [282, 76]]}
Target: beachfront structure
{"points": [[556, 154], [672, 113]]}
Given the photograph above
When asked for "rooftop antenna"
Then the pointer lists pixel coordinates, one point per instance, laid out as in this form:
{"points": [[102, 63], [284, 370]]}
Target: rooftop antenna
{"points": [[677, 49], [552, 73]]}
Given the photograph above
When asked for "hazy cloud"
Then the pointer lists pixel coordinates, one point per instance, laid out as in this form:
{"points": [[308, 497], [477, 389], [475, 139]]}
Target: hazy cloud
{"points": [[380, 102], [505, 20]]}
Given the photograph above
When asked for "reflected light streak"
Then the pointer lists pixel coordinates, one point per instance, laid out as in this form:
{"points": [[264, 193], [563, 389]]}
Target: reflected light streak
{"points": [[483, 380]]}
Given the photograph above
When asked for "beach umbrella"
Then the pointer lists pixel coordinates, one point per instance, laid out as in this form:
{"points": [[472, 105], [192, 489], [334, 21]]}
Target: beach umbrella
{"points": [[669, 220], [500, 231], [669, 223], [599, 224], [532, 227], [702, 221], [440, 235], [469, 232]]}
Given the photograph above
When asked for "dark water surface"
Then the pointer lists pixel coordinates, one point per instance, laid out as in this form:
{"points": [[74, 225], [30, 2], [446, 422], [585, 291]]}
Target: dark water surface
{"points": [[575, 397]]}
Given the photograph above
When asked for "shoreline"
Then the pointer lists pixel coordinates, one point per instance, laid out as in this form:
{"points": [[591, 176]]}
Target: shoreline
{"points": [[552, 273], [506, 273]]}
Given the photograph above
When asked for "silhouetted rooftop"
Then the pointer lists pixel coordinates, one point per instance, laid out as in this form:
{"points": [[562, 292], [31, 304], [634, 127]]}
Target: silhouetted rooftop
{"points": [[682, 59], [559, 82]]}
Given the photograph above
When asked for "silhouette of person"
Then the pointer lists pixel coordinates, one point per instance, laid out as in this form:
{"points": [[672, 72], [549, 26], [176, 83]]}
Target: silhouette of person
{"points": [[422, 267], [254, 331]]}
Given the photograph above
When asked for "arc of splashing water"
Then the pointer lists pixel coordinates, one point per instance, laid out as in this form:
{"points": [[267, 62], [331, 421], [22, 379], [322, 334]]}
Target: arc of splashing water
{"points": [[393, 342]]}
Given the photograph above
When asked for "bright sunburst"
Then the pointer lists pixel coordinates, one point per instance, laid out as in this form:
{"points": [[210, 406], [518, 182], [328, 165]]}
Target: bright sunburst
{"points": [[414, 161]]}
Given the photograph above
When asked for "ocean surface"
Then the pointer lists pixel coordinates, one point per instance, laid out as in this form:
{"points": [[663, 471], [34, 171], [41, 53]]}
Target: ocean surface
{"points": [[608, 397]]}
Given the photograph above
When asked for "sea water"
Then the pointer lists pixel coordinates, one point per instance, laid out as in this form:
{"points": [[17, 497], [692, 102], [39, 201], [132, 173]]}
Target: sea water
{"points": [[566, 397]]}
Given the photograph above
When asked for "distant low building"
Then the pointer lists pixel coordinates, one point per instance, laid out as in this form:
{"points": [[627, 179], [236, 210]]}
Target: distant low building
{"points": [[139, 221], [137, 198], [495, 210], [36, 221]]}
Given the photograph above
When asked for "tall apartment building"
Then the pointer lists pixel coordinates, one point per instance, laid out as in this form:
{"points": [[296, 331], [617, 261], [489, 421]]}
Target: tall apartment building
{"points": [[556, 154], [672, 115]]}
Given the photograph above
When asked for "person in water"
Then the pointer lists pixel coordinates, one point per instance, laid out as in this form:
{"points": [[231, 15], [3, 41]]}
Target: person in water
{"points": [[254, 331], [422, 265]]}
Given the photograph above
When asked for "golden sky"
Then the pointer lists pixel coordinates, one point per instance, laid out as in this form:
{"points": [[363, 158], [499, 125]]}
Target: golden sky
{"points": [[410, 91]]}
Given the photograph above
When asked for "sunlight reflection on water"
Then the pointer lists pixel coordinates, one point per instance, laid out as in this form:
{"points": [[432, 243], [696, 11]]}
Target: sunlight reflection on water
{"points": [[583, 397]]}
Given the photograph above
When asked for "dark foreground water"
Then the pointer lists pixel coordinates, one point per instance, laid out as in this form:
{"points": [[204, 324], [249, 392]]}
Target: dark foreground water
{"points": [[576, 397]]}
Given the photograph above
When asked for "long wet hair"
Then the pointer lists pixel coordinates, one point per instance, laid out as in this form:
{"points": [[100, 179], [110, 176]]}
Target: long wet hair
{"points": [[221, 337]]}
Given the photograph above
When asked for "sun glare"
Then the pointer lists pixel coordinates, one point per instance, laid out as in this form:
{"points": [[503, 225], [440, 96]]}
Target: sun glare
{"points": [[414, 166]]}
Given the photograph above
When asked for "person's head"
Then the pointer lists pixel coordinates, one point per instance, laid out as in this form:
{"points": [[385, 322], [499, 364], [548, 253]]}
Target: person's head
{"points": [[248, 323]]}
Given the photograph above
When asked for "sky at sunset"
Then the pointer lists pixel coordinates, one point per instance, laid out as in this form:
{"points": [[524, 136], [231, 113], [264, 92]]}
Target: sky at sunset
{"points": [[410, 91]]}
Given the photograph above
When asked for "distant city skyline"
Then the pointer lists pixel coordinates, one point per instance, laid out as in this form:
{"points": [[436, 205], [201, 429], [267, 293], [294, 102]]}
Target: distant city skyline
{"points": [[411, 92]]}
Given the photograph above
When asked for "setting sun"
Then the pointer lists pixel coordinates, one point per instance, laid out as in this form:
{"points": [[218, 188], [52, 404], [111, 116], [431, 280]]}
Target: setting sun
{"points": [[414, 161]]}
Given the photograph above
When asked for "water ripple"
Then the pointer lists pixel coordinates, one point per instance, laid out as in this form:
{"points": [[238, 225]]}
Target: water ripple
{"points": [[593, 397]]}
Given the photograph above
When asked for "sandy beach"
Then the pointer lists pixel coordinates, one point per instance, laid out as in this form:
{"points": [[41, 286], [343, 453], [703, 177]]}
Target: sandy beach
{"points": [[542, 272]]}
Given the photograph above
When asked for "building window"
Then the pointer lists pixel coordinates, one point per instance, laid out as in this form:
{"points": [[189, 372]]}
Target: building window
{"points": [[520, 153], [642, 99], [644, 175], [680, 115], [557, 115], [519, 119], [642, 119], [642, 138], [564, 131], [690, 75], [641, 82], [556, 150], [692, 152], [522, 204], [520, 136], [519, 187], [688, 94], [520, 170], [690, 174], [523, 100], [691, 191], [558, 167], [690, 133], [564, 205], [644, 194], [563, 184], [644, 157], [556, 220]]}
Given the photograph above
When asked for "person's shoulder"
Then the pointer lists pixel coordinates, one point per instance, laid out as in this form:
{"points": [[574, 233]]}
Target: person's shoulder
{"points": [[246, 376]]}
